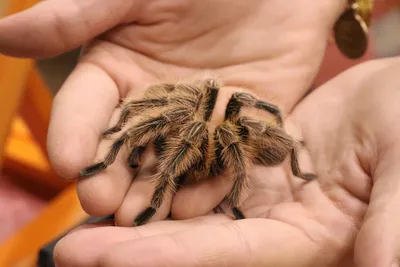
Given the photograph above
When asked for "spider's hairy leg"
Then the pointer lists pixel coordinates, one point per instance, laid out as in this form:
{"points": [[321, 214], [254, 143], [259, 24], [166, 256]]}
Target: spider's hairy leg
{"points": [[273, 145], [218, 210], [188, 96], [212, 89], [135, 156], [155, 96], [250, 126], [147, 131], [217, 167], [201, 169], [181, 155], [244, 126], [135, 107], [234, 156], [239, 100], [137, 152], [140, 135], [111, 156], [153, 130], [160, 146], [191, 89], [294, 163], [159, 89]]}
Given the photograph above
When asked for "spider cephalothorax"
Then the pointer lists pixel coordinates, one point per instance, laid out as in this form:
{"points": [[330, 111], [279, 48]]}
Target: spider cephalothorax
{"points": [[175, 119]]}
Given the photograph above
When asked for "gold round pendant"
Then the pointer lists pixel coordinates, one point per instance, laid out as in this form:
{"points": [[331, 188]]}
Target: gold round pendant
{"points": [[351, 34]]}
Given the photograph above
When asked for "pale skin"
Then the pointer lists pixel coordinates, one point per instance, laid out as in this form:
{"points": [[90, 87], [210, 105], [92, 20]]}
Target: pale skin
{"points": [[312, 225]]}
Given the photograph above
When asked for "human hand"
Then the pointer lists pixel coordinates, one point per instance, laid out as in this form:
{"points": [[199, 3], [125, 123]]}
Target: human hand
{"points": [[352, 134], [269, 46], [349, 126]]}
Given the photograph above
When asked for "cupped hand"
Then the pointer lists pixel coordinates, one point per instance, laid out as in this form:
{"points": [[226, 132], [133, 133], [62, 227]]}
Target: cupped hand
{"points": [[347, 217], [271, 47], [352, 130]]}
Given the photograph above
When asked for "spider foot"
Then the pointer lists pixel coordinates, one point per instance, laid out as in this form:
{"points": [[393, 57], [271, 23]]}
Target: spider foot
{"points": [[144, 216], [218, 210], [93, 169], [111, 131], [238, 214], [136, 156], [309, 176]]}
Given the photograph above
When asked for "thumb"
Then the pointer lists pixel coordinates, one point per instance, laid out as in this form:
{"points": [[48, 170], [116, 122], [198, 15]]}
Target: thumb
{"points": [[378, 242], [252, 242], [55, 26]]}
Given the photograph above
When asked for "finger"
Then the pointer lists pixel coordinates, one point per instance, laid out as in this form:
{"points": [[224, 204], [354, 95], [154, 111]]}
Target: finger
{"points": [[199, 199], [86, 245], [55, 26], [81, 112], [140, 193], [378, 242], [256, 242], [105, 192]]}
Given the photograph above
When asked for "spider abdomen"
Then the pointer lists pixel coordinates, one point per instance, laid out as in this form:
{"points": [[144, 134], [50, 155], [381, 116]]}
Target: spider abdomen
{"points": [[275, 146], [271, 156]]}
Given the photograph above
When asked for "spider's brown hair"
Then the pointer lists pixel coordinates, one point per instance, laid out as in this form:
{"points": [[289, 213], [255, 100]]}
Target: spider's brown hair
{"points": [[175, 120]]}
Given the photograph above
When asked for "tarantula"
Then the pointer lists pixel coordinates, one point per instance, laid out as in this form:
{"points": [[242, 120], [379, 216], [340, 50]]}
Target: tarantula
{"points": [[175, 120]]}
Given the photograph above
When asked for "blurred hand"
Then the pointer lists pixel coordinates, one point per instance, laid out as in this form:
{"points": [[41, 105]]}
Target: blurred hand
{"points": [[347, 217], [271, 47]]}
